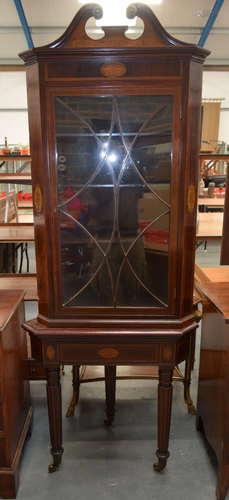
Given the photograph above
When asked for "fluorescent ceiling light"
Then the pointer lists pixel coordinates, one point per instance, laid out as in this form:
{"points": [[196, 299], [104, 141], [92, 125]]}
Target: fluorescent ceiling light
{"points": [[114, 13]]}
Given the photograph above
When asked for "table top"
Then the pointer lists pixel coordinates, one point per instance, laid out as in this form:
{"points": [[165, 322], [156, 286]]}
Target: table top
{"points": [[26, 282], [16, 178], [217, 274], [211, 156], [210, 226], [217, 294], [14, 157], [16, 232], [23, 218], [9, 301], [212, 202]]}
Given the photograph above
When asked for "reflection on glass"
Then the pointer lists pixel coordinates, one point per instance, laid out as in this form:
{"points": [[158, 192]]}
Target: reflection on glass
{"points": [[114, 178]]}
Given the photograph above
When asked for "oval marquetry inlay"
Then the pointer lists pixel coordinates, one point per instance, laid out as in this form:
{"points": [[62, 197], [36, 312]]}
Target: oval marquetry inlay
{"points": [[113, 69], [50, 352], [167, 353], [108, 353], [38, 200], [191, 198]]}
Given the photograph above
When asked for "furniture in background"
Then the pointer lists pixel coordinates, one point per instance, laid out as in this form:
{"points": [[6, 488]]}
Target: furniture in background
{"points": [[11, 176], [210, 116], [210, 171], [209, 203], [210, 226], [28, 283], [110, 123], [11, 210], [19, 235], [213, 387], [15, 406], [224, 260]]}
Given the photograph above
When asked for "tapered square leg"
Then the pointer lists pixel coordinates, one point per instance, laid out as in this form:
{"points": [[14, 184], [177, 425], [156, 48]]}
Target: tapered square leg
{"points": [[55, 415], [110, 387], [165, 391]]}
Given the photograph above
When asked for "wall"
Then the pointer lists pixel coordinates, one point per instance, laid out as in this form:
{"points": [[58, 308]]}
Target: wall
{"points": [[13, 124], [216, 85]]}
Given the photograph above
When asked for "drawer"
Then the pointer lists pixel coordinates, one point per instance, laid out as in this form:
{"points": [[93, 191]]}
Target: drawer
{"points": [[100, 354], [36, 370]]}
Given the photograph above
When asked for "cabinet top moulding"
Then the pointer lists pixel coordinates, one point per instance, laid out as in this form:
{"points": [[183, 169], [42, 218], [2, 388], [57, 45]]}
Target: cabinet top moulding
{"points": [[154, 41]]}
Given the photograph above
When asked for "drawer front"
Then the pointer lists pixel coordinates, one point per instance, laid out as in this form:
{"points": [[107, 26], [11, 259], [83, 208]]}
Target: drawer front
{"points": [[100, 354], [36, 370]]}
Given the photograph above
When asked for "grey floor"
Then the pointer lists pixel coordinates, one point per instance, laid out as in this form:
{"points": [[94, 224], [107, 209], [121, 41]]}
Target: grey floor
{"points": [[117, 462]]}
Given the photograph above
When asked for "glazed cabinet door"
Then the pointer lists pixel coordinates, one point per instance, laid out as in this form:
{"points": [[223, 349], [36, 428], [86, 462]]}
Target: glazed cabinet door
{"points": [[115, 230]]}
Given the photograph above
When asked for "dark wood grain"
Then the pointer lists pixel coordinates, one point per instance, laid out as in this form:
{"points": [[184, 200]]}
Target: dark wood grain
{"points": [[217, 274], [110, 386], [15, 406], [218, 293], [55, 411], [212, 404]]}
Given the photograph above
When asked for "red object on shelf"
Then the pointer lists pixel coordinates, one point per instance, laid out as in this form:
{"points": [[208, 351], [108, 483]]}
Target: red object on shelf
{"points": [[152, 235], [20, 195], [28, 196]]}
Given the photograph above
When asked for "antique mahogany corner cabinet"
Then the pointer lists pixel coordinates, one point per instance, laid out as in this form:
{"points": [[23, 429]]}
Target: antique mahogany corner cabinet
{"points": [[115, 129]]}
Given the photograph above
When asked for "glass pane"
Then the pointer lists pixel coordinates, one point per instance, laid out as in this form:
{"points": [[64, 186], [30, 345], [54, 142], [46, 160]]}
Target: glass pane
{"points": [[114, 177]]}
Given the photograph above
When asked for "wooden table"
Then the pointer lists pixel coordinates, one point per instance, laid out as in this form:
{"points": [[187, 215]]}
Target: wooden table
{"points": [[15, 178], [20, 234], [16, 232], [23, 219], [210, 226], [213, 389], [15, 406], [26, 282], [211, 202], [217, 274]]}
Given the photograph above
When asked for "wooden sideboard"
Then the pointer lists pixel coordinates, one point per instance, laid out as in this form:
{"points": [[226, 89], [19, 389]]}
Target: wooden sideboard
{"points": [[213, 402], [15, 406]]}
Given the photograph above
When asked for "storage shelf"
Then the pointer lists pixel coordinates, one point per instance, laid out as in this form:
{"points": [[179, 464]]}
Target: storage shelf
{"points": [[15, 178]]}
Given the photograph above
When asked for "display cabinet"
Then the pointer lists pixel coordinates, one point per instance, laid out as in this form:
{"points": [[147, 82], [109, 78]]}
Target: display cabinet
{"points": [[115, 129]]}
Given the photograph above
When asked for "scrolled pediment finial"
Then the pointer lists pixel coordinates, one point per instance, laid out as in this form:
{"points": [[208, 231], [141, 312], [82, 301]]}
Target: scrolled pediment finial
{"points": [[97, 12]]}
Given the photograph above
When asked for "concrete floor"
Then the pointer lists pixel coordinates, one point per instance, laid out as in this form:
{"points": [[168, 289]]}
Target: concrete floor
{"points": [[116, 462]]}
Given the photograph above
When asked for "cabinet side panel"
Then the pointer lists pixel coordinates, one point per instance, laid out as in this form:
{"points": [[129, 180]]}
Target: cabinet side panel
{"points": [[212, 404], [16, 392], [40, 188], [191, 185]]}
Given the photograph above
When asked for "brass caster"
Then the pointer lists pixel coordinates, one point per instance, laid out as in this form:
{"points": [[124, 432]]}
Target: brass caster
{"points": [[70, 411], [192, 409], [52, 468], [157, 467], [108, 420]]}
